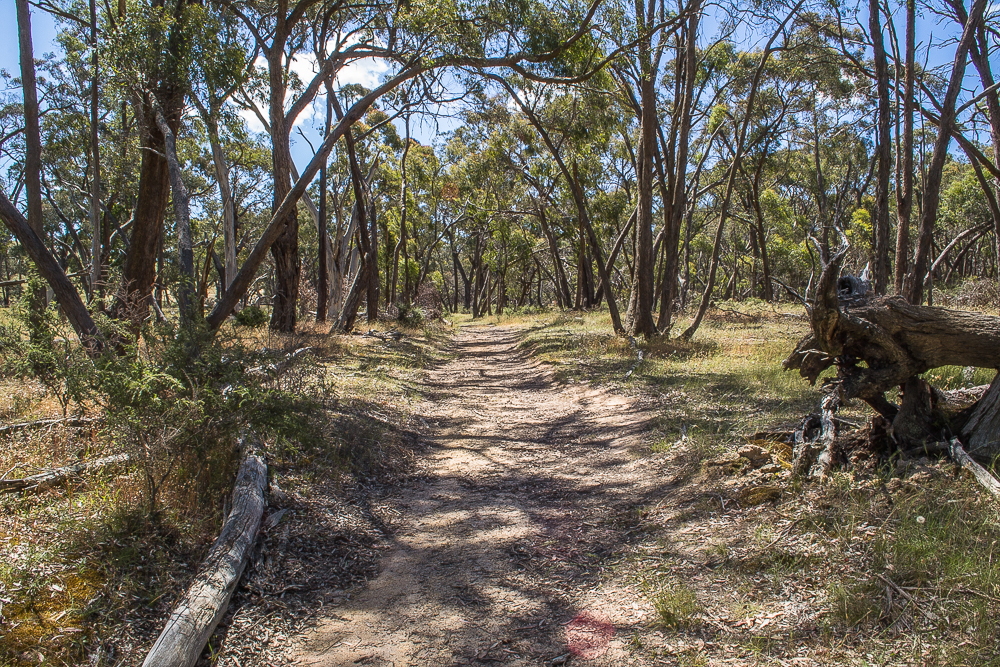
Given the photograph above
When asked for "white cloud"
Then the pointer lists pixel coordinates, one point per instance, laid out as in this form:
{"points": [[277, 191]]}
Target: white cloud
{"points": [[364, 71]]}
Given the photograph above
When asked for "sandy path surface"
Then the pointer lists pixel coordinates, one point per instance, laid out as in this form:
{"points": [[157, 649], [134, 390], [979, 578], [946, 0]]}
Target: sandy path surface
{"points": [[506, 550]]}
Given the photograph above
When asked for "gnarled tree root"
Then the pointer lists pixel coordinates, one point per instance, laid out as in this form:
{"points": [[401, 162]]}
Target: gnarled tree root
{"points": [[881, 344]]}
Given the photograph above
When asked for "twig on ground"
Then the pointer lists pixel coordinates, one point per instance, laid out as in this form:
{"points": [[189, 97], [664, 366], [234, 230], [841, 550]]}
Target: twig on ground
{"points": [[930, 616], [982, 475]]}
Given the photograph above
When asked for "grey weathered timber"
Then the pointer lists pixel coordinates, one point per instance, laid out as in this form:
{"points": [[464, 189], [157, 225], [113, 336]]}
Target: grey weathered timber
{"points": [[884, 343], [981, 432], [73, 422], [196, 615], [982, 475], [50, 478]]}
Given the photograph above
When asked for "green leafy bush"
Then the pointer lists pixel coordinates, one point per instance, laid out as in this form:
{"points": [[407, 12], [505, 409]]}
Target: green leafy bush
{"points": [[252, 317], [45, 354], [410, 315]]}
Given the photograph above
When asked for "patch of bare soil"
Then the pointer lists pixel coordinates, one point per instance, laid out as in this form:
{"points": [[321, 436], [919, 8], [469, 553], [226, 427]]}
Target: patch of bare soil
{"points": [[506, 546]]}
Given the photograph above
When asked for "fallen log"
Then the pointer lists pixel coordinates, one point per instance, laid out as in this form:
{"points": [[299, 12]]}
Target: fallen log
{"points": [[43, 423], [194, 619], [50, 478], [276, 369], [982, 475], [879, 344]]}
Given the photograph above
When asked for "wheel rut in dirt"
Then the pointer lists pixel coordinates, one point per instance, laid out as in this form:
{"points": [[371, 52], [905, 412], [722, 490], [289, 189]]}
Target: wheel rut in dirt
{"points": [[505, 551]]}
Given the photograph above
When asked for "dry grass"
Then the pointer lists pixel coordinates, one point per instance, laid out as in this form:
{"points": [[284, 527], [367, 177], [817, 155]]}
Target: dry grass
{"points": [[87, 576], [762, 569]]}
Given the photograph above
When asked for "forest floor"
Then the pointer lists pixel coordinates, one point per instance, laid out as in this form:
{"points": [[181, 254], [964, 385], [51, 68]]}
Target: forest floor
{"points": [[530, 487], [552, 524], [525, 491]]}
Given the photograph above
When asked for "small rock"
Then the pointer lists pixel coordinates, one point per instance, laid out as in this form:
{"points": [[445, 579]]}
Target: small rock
{"points": [[757, 455], [759, 494], [726, 459]]}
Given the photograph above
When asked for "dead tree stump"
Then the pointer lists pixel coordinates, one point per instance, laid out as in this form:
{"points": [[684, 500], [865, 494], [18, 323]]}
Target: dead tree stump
{"points": [[877, 344]]}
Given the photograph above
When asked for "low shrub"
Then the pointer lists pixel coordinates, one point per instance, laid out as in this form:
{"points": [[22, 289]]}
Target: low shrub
{"points": [[252, 317]]}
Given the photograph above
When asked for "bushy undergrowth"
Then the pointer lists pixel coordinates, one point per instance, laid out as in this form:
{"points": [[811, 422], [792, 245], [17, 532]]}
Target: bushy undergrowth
{"points": [[91, 567], [174, 398]]}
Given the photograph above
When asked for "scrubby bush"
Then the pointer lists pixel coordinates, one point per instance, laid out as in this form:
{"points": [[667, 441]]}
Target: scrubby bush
{"points": [[252, 317], [44, 353], [410, 315], [173, 397]]}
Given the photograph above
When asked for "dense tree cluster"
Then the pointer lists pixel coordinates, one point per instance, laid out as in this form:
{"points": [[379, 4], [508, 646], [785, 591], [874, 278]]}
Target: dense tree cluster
{"points": [[636, 156]]}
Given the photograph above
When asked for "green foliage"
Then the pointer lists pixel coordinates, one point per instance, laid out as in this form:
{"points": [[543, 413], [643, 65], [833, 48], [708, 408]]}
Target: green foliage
{"points": [[252, 317], [860, 232], [44, 354], [410, 315]]}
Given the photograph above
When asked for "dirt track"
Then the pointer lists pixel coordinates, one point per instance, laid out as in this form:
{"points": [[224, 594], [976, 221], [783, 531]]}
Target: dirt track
{"points": [[506, 551]]}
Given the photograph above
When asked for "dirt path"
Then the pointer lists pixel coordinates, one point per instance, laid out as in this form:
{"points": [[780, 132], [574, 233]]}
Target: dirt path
{"points": [[505, 553]]}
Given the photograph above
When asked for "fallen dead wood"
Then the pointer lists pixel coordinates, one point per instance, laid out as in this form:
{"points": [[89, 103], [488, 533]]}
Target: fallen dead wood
{"points": [[50, 478], [390, 335], [982, 475], [828, 438], [277, 368], [44, 423], [195, 617], [882, 344], [929, 615]]}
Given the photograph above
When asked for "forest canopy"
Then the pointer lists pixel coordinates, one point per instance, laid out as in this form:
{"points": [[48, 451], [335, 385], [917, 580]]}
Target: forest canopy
{"points": [[319, 159]]}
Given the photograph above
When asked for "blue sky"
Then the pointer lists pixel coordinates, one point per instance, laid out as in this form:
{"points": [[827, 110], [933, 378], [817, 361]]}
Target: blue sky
{"points": [[44, 32]]}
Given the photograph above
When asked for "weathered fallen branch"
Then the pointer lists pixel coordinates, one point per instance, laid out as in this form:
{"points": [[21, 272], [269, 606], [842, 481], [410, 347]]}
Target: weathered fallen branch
{"points": [[50, 478], [829, 436], [982, 475], [880, 344], [43, 423], [390, 335], [198, 613], [276, 369]]}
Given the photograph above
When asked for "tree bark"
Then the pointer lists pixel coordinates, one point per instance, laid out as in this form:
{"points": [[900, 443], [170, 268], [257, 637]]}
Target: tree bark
{"points": [[96, 254], [401, 243], [639, 320], [32, 136], [914, 284], [140, 269], [66, 295], [182, 213], [881, 245], [904, 176], [323, 252], [671, 240], [979, 55]]}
